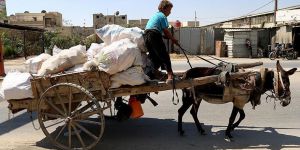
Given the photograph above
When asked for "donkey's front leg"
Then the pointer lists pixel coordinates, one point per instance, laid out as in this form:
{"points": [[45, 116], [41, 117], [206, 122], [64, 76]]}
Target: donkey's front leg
{"points": [[241, 118], [231, 120], [194, 112]]}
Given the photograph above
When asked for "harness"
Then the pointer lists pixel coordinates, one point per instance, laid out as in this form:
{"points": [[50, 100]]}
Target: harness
{"points": [[277, 80]]}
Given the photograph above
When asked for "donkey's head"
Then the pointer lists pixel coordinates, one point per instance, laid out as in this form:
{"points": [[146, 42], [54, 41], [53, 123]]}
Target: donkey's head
{"points": [[282, 84]]}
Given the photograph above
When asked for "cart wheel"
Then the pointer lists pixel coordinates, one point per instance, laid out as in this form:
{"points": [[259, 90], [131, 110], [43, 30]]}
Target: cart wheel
{"points": [[71, 117]]}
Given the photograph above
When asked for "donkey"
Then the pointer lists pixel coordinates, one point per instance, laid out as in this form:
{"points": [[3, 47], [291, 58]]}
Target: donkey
{"points": [[276, 81]]}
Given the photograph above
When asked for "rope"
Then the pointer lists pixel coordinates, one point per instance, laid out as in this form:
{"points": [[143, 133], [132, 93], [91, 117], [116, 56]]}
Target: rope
{"points": [[183, 50], [32, 121], [219, 59]]}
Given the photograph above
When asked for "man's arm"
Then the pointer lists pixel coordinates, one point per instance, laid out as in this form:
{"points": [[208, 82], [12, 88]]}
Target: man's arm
{"points": [[168, 34]]}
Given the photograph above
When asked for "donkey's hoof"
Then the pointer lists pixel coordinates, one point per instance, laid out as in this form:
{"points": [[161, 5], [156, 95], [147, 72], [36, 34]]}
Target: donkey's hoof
{"points": [[228, 139], [202, 132], [181, 133]]}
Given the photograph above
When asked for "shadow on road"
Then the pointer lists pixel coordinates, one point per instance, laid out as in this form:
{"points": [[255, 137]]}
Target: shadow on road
{"points": [[161, 134], [16, 122]]}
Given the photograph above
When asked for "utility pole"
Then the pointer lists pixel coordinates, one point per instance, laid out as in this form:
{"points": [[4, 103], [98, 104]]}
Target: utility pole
{"points": [[275, 10], [195, 19]]}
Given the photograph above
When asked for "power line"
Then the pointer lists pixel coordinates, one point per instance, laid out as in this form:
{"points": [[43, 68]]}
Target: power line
{"points": [[259, 8]]}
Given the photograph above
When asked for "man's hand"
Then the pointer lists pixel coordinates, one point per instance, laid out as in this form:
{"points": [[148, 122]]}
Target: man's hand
{"points": [[174, 41]]}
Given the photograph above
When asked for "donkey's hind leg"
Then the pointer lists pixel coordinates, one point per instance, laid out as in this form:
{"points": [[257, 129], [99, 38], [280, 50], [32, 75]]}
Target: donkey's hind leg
{"points": [[194, 112], [241, 118], [231, 121], [186, 103]]}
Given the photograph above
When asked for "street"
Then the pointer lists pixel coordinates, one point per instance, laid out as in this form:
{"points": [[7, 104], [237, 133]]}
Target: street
{"points": [[269, 126]]}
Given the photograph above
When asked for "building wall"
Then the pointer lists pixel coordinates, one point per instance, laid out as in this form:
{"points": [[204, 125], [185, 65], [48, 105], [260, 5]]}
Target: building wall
{"points": [[287, 16], [75, 30], [207, 40], [284, 35], [40, 20], [144, 23], [190, 24], [100, 20], [134, 23], [189, 39], [55, 19], [236, 43]]}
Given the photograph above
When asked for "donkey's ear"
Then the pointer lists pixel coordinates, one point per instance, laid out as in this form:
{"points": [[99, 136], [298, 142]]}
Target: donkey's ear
{"points": [[278, 66], [292, 71]]}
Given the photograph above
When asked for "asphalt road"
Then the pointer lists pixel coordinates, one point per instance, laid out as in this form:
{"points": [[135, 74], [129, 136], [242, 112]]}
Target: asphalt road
{"points": [[263, 128]]}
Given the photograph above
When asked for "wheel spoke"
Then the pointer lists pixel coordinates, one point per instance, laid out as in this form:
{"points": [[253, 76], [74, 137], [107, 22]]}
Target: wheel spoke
{"points": [[70, 135], [54, 124], [56, 116], [90, 122], [61, 130], [82, 100], [84, 108], [78, 136], [86, 131], [56, 108], [70, 101], [85, 115], [60, 99]]}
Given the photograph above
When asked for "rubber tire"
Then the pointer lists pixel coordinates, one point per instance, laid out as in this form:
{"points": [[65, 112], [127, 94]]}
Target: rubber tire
{"points": [[272, 55]]}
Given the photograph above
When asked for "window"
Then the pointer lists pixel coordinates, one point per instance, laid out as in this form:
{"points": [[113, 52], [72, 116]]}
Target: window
{"points": [[34, 18]]}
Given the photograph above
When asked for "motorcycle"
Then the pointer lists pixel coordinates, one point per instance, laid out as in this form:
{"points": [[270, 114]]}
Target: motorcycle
{"points": [[280, 52]]}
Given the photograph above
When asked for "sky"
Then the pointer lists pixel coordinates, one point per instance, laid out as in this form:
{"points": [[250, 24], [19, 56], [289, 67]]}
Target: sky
{"points": [[80, 12]]}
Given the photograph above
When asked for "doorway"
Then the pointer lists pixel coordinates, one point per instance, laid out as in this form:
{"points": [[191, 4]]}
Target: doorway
{"points": [[296, 39]]}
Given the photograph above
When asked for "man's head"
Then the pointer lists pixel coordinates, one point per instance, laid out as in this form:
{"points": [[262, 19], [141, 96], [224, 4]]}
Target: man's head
{"points": [[165, 7]]}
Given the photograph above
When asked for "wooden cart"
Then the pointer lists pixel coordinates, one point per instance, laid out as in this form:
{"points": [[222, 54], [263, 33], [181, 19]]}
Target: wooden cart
{"points": [[70, 106]]}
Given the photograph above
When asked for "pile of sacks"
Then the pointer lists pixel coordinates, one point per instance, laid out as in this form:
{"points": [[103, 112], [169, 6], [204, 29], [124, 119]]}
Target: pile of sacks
{"points": [[122, 55]]}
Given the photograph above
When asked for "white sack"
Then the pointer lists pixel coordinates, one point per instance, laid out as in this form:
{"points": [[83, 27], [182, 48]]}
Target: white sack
{"points": [[79, 48], [76, 68], [112, 33], [56, 50], [94, 49], [35, 63], [132, 76], [118, 56], [1, 95], [64, 60], [16, 85]]}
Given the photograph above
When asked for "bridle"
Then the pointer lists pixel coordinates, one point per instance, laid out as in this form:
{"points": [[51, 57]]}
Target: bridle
{"points": [[277, 82]]}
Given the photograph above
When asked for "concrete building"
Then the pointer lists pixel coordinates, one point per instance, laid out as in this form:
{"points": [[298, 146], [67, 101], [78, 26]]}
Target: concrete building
{"points": [[40, 20], [284, 27], [190, 24], [134, 23], [100, 20], [138, 23]]}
